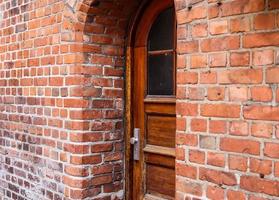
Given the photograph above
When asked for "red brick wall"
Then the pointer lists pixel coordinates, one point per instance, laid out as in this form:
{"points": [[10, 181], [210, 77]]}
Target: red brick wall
{"points": [[227, 107], [61, 121], [62, 86]]}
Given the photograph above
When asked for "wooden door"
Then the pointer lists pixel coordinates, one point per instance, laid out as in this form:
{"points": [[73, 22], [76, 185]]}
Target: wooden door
{"points": [[154, 102]]}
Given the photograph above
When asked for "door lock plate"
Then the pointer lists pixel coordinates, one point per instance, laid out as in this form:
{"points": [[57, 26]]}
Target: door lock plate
{"points": [[135, 141]]}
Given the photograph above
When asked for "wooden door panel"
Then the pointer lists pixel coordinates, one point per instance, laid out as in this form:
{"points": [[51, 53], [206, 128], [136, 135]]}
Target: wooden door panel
{"points": [[160, 181], [161, 130]]}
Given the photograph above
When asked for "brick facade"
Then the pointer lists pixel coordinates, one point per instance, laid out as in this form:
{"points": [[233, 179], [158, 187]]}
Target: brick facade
{"points": [[62, 99]]}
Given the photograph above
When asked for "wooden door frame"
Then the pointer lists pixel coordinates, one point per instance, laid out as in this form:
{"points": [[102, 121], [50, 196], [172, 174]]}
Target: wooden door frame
{"points": [[129, 73]]}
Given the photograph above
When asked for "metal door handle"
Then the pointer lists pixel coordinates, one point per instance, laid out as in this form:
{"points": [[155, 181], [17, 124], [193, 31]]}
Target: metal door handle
{"points": [[136, 142]]}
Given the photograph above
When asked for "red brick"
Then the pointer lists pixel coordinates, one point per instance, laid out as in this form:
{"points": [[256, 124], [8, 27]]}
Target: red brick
{"points": [[240, 59], [218, 27], [215, 193], [255, 184], [238, 94], [262, 130], [220, 110], [241, 76], [187, 77], [188, 187], [216, 94], [260, 166], [263, 94], [261, 113], [261, 40], [240, 146], [187, 139], [264, 21], [272, 75], [197, 156], [186, 170], [231, 195], [218, 60], [198, 61], [199, 125], [264, 57], [241, 24], [199, 30], [186, 16], [242, 6], [238, 163], [196, 93], [271, 150], [188, 47], [216, 126], [273, 4], [240, 128], [216, 159], [220, 44], [187, 109], [217, 177]]}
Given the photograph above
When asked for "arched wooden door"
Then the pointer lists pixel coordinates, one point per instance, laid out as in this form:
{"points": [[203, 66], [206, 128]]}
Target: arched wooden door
{"points": [[153, 104]]}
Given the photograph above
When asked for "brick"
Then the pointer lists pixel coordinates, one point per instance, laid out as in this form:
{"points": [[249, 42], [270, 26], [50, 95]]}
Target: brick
{"points": [[262, 130], [186, 170], [242, 6], [255, 40], [216, 94], [197, 156], [271, 150], [261, 113], [260, 166], [240, 24], [272, 75], [263, 94], [240, 146], [208, 77], [240, 59], [198, 61], [199, 30], [255, 184], [217, 126], [220, 44], [273, 4], [207, 142], [231, 195], [216, 159], [217, 177], [185, 16], [218, 27], [276, 169], [238, 94], [264, 21], [241, 76], [215, 193], [218, 60], [188, 47], [187, 77], [196, 93], [199, 125], [188, 187], [239, 128], [220, 110], [238, 163], [187, 109], [264, 57], [187, 139]]}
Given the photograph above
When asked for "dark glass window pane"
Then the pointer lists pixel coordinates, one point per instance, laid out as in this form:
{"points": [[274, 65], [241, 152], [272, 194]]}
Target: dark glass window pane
{"points": [[160, 74], [161, 33]]}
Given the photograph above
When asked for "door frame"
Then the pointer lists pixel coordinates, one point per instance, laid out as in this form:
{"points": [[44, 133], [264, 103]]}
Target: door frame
{"points": [[129, 73]]}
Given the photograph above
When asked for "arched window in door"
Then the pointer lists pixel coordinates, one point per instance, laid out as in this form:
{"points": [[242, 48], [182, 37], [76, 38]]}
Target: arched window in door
{"points": [[161, 53]]}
